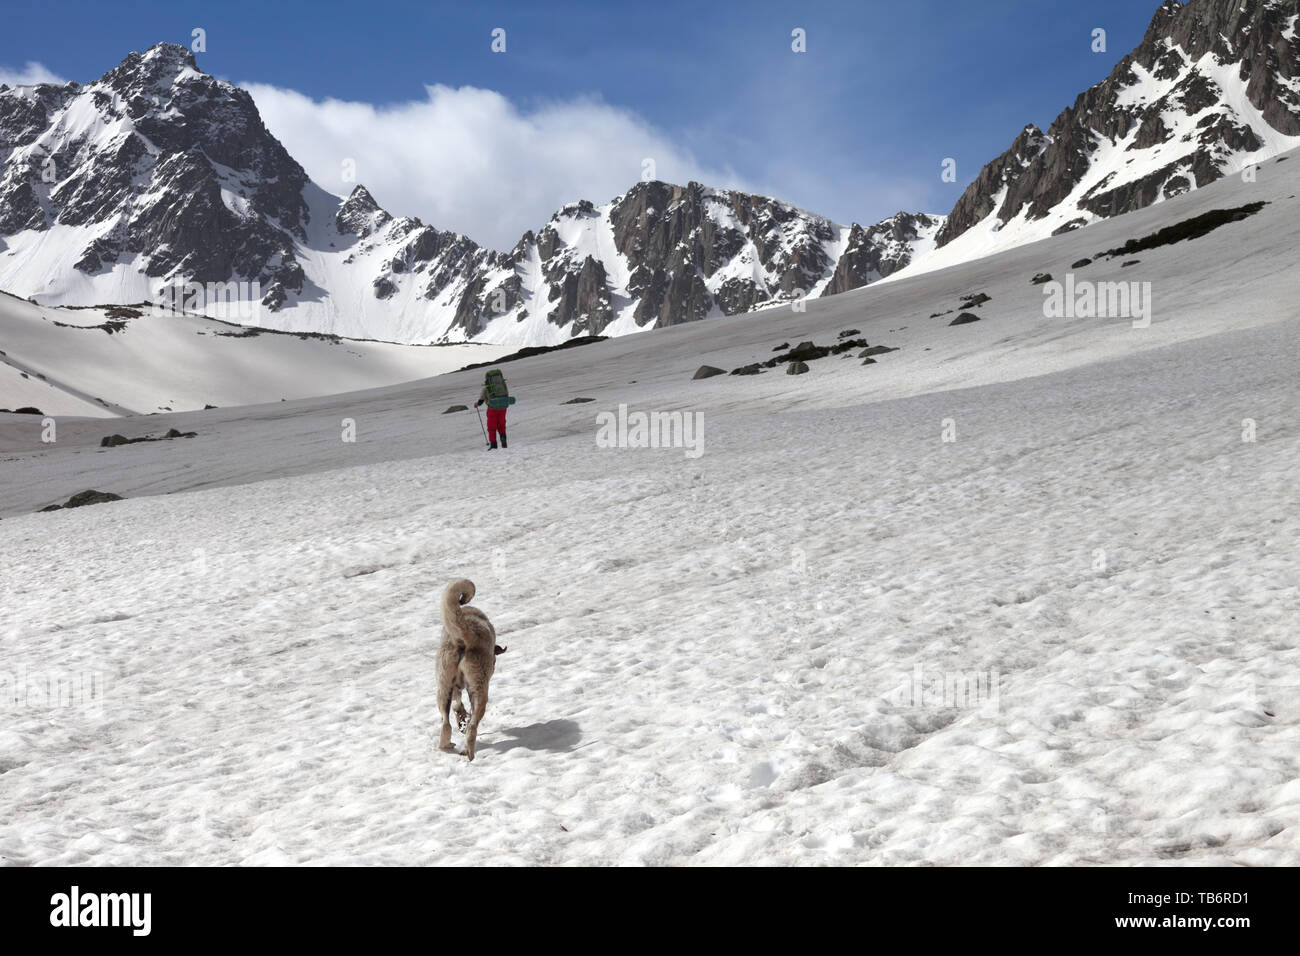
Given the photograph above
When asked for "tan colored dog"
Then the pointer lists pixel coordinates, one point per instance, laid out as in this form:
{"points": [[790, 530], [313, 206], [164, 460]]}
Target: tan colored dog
{"points": [[466, 660]]}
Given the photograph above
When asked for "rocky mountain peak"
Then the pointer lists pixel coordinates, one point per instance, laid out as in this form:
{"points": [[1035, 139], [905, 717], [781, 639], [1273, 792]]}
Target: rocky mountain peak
{"points": [[152, 72], [360, 215], [1212, 87]]}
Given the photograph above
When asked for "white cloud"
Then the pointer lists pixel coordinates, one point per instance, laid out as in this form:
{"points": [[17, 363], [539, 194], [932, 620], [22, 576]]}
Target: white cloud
{"points": [[29, 75], [468, 159]]}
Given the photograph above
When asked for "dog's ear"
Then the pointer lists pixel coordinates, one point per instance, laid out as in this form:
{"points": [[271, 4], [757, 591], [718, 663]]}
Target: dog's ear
{"points": [[499, 650]]}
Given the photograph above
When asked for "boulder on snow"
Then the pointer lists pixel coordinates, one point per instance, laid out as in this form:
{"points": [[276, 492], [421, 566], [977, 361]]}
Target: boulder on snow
{"points": [[806, 351], [581, 401], [868, 361], [849, 332], [112, 441], [1041, 278], [28, 410], [848, 345], [796, 368], [876, 350], [456, 408], [89, 497], [966, 318], [752, 369], [707, 371], [1081, 263], [781, 347]]}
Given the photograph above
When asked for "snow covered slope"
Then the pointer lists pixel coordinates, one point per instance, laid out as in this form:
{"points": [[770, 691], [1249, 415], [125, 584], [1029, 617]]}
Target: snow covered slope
{"points": [[1066, 636], [1213, 89], [157, 176], [109, 362], [725, 660]]}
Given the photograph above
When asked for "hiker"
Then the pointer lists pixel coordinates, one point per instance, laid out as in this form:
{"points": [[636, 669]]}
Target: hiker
{"points": [[498, 399]]}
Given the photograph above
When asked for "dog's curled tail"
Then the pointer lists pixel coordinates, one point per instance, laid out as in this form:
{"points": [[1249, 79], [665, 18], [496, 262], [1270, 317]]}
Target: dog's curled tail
{"points": [[460, 591]]}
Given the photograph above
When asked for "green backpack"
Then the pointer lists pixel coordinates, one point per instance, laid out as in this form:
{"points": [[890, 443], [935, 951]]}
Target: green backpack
{"points": [[498, 396]]}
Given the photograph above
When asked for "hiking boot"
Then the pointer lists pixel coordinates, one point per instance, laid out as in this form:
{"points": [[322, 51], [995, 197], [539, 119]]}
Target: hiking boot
{"points": [[503, 439], [491, 446]]}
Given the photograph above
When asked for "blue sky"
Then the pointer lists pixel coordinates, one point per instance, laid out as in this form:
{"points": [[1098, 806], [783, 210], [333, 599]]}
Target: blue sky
{"points": [[856, 128]]}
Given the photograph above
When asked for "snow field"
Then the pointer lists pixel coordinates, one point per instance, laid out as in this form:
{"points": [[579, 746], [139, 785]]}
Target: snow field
{"points": [[705, 656]]}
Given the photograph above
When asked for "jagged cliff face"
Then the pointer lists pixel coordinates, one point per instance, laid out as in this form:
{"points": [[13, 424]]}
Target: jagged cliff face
{"points": [[881, 250], [663, 254], [1213, 87], [159, 174], [157, 164]]}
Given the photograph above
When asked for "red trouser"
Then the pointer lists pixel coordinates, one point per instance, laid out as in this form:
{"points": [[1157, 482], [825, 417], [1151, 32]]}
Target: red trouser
{"points": [[496, 422]]}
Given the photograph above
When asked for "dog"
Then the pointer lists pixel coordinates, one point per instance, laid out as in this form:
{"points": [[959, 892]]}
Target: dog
{"points": [[466, 660]]}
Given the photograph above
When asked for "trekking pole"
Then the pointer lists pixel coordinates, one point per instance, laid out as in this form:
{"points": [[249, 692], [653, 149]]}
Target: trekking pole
{"points": [[480, 425]]}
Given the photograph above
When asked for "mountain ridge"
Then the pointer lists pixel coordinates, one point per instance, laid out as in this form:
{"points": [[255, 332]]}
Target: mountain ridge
{"points": [[160, 173], [1212, 88]]}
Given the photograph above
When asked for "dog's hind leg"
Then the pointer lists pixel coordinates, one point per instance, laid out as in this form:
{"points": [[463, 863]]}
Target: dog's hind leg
{"points": [[445, 688], [461, 714], [478, 701]]}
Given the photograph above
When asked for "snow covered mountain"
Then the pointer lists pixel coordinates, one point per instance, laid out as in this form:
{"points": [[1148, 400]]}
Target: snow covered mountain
{"points": [[158, 174], [1212, 89]]}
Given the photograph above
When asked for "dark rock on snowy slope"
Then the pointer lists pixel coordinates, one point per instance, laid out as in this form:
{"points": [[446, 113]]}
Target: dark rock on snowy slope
{"points": [[806, 352], [113, 441], [538, 350], [707, 371], [1162, 122], [1193, 227], [83, 498]]}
